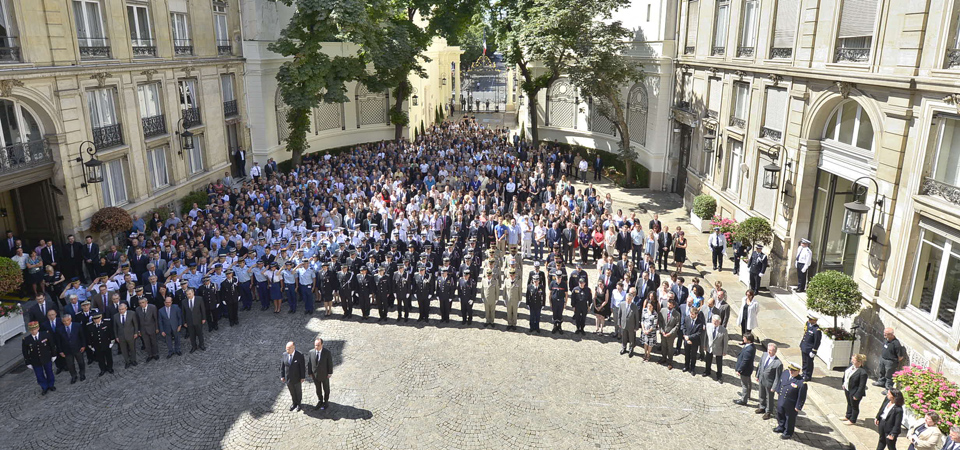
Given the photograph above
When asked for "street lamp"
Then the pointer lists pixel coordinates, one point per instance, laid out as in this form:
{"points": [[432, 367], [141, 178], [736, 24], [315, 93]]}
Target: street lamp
{"points": [[92, 168], [853, 222], [443, 82], [186, 138], [771, 172], [709, 140]]}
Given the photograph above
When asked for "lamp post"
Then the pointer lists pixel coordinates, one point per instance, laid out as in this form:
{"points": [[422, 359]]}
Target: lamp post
{"points": [[185, 136], [92, 168], [855, 211]]}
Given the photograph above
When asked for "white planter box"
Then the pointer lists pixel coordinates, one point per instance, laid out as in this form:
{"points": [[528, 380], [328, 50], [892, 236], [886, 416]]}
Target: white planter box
{"points": [[11, 326], [703, 225], [745, 275], [836, 354]]}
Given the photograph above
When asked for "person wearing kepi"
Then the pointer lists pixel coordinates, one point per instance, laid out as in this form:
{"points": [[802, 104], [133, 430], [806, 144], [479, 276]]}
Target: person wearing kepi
{"points": [[809, 344], [292, 373], [491, 293], [744, 368], [718, 248], [320, 368], [804, 259], [39, 353], [100, 342], [533, 303], [558, 300], [467, 293], [512, 287], [891, 359], [768, 379], [580, 298], [793, 394], [757, 266]]}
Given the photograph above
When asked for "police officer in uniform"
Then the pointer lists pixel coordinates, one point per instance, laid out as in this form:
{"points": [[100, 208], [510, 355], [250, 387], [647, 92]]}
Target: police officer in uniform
{"points": [[345, 285], [558, 300], [793, 393], [512, 286], [100, 341], [423, 289], [365, 289], [230, 295], [467, 292], [208, 294], [491, 293], [804, 259], [402, 280], [757, 266], [581, 298], [383, 285], [809, 344], [328, 282], [446, 288], [39, 352], [534, 292]]}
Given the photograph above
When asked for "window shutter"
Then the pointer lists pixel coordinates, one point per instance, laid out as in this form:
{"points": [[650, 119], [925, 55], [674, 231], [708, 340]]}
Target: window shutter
{"points": [[785, 31], [857, 18], [693, 22], [716, 94], [776, 111]]}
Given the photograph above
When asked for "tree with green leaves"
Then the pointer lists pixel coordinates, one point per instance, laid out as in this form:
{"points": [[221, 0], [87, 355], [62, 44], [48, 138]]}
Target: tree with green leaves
{"points": [[600, 69]]}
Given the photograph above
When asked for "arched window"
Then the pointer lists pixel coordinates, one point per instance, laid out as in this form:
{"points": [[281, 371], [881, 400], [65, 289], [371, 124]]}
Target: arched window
{"points": [[598, 122], [283, 127], [20, 136], [562, 105], [637, 107], [328, 116], [849, 124], [371, 107]]}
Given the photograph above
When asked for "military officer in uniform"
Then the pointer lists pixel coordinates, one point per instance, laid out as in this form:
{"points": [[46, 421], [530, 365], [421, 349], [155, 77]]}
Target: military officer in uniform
{"points": [[446, 288], [39, 352], [491, 293], [401, 289], [100, 341], [384, 286], [804, 259], [793, 393], [558, 300], [581, 297], [345, 284], [757, 266], [365, 290], [230, 295], [512, 286], [328, 282], [809, 344], [467, 292], [534, 291], [208, 295], [423, 289]]}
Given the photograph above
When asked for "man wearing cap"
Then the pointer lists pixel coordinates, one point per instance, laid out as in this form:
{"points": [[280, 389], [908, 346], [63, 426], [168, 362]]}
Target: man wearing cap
{"points": [[809, 344], [534, 299], [100, 342], [170, 322], [383, 284], [327, 283], [423, 289], [402, 288], [207, 293], [262, 283], [365, 289], [558, 300], [490, 287], [307, 279], [512, 286], [793, 394], [580, 298], [39, 351], [804, 259], [126, 329], [194, 316], [446, 289], [542, 276], [289, 278], [149, 328], [757, 265], [345, 286], [467, 292], [229, 293], [718, 248]]}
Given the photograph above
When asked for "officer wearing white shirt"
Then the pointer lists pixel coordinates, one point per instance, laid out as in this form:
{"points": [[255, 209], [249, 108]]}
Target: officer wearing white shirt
{"points": [[718, 247], [804, 259]]}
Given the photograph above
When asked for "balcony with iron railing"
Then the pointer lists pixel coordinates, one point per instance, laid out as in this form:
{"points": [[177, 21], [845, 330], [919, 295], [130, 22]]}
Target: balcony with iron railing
{"points": [[94, 47], [850, 54], [108, 136], [718, 51], [143, 47], [9, 49], [781, 53], [154, 125], [191, 117], [953, 58], [230, 108], [224, 48], [940, 189], [745, 52], [738, 122], [182, 47], [689, 50], [24, 156], [770, 133]]}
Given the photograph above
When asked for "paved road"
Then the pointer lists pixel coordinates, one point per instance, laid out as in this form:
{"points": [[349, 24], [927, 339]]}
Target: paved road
{"points": [[396, 385]]}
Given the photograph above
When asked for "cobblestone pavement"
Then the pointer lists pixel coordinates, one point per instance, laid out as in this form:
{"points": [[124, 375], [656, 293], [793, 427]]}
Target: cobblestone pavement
{"points": [[397, 385]]}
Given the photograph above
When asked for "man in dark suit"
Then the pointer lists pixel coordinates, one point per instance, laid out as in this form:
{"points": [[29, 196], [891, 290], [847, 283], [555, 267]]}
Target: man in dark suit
{"points": [[51, 255], [149, 328], [655, 223], [194, 317], [9, 245], [320, 368], [664, 241], [72, 342], [126, 330], [170, 322], [680, 291], [39, 352], [91, 258], [744, 368], [692, 328], [757, 266], [72, 258], [644, 287], [292, 373], [768, 379], [793, 394], [38, 312]]}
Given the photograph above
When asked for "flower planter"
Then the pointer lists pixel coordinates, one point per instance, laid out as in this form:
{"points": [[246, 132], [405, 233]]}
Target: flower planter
{"points": [[745, 276], [703, 225], [911, 418], [11, 326], [836, 354]]}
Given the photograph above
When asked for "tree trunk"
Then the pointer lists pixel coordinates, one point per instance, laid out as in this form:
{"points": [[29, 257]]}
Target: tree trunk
{"points": [[532, 109], [398, 108], [296, 157]]}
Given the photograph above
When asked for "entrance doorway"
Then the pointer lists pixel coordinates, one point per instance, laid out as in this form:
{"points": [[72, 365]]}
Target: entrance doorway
{"points": [[832, 248], [686, 138]]}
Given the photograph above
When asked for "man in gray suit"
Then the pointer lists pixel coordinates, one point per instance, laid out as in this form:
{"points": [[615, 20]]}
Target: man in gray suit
{"points": [[171, 320], [126, 330], [669, 327], [292, 373], [715, 344], [194, 317], [320, 368], [628, 320], [768, 377], [149, 328]]}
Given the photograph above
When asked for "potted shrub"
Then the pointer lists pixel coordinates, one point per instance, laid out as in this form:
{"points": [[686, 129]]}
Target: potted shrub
{"points": [[925, 390], [704, 207], [11, 316], [111, 220], [835, 294], [755, 230]]}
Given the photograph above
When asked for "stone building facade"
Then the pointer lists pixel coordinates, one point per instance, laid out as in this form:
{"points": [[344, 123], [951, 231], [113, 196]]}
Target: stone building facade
{"points": [[853, 101]]}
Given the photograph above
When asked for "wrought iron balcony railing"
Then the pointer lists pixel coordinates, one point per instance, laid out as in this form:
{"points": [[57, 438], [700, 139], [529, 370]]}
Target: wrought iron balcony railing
{"points": [[718, 51], [182, 47], [771, 134], [224, 48], [9, 49], [191, 117], [689, 50], [738, 122], [781, 53], [144, 47], [230, 108], [91, 48], [953, 58], [945, 191], [744, 52], [154, 126], [108, 136], [847, 54], [24, 156]]}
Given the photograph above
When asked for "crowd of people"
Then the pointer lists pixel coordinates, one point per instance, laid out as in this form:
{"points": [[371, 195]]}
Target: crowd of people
{"points": [[462, 215]]}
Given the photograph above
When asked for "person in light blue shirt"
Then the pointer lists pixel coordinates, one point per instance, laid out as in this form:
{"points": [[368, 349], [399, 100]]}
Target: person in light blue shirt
{"points": [[75, 289], [242, 274], [289, 277], [193, 277], [217, 276], [262, 279], [307, 280], [513, 234]]}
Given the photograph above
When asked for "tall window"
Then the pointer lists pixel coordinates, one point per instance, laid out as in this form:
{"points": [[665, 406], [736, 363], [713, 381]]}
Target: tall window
{"points": [[182, 45], [104, 119], [849, 124], [114, 185], [720, 27], [157, 167], [715, 99], [221, 31], [693, 21], [734, 160], [141, 36], [20, 137], [151, 109], [195, 156], [9, 48], [637, 109], [229, 97], [855, 36], [785, 29], [189, 102], [748, 31], [936, 280], [775, 114], [91, 37], [741, 104], [946, 161]]}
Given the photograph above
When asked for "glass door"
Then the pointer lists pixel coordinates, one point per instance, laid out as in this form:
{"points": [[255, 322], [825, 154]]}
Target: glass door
{"points": [[832, 249]]}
